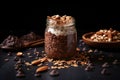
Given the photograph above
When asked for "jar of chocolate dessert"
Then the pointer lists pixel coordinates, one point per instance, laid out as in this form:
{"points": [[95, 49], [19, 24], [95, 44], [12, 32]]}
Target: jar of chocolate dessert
{"points": [[60, 37]]}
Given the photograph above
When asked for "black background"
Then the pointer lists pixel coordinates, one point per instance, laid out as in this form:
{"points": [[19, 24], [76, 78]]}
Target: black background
{"points": [[19, 21]]}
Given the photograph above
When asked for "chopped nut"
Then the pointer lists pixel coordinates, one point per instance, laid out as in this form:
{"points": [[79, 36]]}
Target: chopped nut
{"points": [[43, 59], [6, 59], [83, 63], [27, 64], [19, 54], [78, 49], [54, 67], [90, 51], [28, 54], [35, 62], [40, 69], [40, 64], [50, 60], [74, 65]]}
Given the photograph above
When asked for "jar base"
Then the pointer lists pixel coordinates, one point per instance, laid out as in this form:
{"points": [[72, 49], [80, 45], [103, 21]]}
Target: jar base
{"points": [[60, 56]]}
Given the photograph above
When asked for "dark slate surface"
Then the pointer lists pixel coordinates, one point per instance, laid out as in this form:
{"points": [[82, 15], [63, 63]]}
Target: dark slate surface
{"points": [[7, 71]]}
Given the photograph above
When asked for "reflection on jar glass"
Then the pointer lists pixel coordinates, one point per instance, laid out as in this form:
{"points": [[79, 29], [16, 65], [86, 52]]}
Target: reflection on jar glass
{"points": [[60, 37]]}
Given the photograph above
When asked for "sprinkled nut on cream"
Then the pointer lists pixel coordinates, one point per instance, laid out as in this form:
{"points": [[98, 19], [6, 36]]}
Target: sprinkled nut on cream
{"points": [[60, 24]]}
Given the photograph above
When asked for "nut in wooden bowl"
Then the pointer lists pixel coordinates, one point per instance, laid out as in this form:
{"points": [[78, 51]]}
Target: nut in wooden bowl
{"points": [[103, 39]]}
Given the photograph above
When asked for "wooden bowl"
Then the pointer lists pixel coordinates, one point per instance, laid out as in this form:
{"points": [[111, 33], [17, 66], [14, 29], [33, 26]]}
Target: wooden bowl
{"points": [[101, 45]]}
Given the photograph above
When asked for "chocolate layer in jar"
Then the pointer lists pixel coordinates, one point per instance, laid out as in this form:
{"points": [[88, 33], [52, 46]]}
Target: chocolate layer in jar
{"points": [[60, 37]]}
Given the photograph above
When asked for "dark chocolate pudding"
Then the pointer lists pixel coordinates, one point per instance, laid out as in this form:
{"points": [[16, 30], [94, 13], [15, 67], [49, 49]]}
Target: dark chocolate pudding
{"points": [[60, 37]]}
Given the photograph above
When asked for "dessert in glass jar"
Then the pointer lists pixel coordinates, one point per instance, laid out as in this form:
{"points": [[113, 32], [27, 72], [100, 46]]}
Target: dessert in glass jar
{"points": [[60, 37]]}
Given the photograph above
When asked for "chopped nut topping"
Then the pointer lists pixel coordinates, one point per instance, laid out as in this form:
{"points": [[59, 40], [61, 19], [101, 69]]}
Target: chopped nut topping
{"points": [[57, 20]]}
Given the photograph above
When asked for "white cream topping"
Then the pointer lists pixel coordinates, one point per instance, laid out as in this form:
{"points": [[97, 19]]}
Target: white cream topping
{"points": [[64, 31]]}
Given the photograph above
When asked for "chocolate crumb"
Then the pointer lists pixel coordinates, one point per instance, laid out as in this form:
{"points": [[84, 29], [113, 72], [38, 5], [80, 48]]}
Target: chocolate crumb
{"points": [[105, 65], [20, 75], [19, 61], [115, 62], [9, 54], [37, 74], [105, 71], [30, 56], [16, 58], [89, 68], [95, 51], [54, 73]]}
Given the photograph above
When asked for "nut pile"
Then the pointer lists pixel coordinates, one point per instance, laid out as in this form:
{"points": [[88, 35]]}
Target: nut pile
{"points": [[106, 35], [42, 63], [57, 20]]}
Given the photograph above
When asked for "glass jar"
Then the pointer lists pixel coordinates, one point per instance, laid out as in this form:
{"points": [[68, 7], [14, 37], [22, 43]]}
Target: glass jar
{"points": [[60, 37]]}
